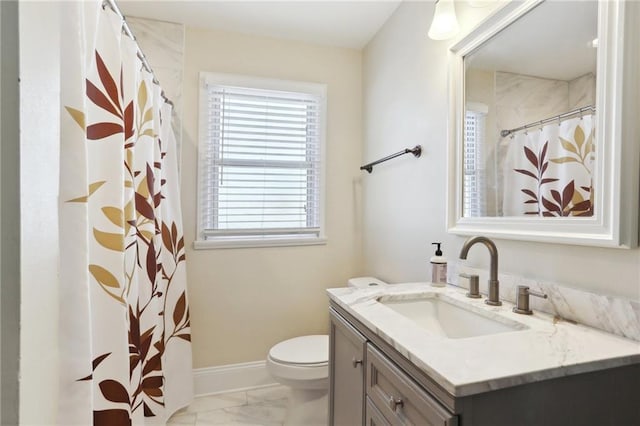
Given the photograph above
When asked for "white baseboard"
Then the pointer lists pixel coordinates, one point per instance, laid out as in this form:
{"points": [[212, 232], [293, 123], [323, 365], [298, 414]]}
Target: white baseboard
{"points": [[230, 378]]}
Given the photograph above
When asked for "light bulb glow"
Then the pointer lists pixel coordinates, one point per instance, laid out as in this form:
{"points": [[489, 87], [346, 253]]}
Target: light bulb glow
{"points": [[445, 23]]}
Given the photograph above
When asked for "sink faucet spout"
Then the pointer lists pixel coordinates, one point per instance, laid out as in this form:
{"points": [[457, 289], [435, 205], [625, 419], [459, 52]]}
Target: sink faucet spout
{"points": [[494, 284]]}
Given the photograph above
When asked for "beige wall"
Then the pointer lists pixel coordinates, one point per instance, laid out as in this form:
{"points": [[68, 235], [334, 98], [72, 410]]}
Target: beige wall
{"points": [[405, 98], [245, 300]]}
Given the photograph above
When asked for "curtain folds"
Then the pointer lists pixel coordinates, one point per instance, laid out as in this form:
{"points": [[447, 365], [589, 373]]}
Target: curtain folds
{"points": [[548, 171], [125, 339]]}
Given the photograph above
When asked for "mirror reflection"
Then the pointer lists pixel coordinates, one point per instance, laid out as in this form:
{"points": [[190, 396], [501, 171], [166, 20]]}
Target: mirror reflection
{"points": [[529, 130]]}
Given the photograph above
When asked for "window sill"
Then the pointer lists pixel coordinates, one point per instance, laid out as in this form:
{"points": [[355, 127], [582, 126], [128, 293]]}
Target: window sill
{"points": [[258, 242]]}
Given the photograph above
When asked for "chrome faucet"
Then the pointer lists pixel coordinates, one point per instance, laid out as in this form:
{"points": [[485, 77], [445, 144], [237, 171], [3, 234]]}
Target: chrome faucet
{"points": [[494, 284]]}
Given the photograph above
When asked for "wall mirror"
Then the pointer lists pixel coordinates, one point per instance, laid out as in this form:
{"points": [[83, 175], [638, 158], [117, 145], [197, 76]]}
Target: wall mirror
{"points": [[539, 145]]}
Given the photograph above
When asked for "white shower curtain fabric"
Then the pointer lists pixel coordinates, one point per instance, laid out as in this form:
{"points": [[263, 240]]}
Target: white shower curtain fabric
{"points": [[548, 171], [125, 337]]}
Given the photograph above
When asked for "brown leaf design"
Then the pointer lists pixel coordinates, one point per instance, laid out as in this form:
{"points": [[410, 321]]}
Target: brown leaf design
{"points": [[145, 342], [152, 382], [166, 238], [567, 194], [134, 328], [187, 337], [530, 193], [143, 207], [107, 81], [526, 172], [543, 154], [98, 98], [151, 264], [112, 417], [582, 206], [147, 410], [150, 179], [96, 362], [157, 199], [180, 244], [153, 364], [551, 207], [179, 309], [544, 167], [102, 130], [548, 180], [113, 391], [556, 196], [128, 121], [174, 233], [531, 156], [153, 392]]}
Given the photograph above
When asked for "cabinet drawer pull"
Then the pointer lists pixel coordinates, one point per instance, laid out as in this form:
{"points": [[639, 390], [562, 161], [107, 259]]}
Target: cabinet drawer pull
{"points": [[394, 403], [355, 362]]}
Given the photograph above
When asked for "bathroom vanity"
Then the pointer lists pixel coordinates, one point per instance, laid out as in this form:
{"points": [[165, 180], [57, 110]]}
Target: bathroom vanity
{"points": [[415, 354]]}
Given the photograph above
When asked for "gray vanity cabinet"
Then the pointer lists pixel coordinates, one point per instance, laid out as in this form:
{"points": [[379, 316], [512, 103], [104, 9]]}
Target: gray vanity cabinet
{"points": [[372, 384], [346, 373]]}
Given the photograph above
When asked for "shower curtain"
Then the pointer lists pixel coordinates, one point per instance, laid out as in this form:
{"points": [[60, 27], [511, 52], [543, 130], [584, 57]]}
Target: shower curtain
{"points": [[125, 338], [548, 171]]}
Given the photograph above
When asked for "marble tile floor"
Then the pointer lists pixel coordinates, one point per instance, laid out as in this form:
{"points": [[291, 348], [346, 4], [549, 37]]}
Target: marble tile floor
{"points": [[264, 407]]}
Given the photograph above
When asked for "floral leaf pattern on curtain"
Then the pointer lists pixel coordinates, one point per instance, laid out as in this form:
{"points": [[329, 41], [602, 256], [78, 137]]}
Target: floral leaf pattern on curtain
{"points": [[121, 209], [555, 168], [541, 165]]}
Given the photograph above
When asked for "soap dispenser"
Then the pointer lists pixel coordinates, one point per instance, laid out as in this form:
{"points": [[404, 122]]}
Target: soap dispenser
{"points": [[438, 268]]}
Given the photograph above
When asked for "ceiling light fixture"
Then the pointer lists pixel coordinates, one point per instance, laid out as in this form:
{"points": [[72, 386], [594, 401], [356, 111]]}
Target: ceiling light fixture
{"points": [[445, 23]]}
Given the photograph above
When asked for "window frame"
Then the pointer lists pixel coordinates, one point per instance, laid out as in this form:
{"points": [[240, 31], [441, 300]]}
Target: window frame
{"points": [[318, 90]]}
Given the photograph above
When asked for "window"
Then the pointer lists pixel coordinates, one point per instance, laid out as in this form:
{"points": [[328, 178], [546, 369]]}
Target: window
{"points": [[474, 202], [261, 162]]}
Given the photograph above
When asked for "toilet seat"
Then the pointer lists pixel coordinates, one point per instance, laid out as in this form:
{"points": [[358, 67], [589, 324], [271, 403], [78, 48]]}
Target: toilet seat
{"points": [[301, 359], [308, 351]]}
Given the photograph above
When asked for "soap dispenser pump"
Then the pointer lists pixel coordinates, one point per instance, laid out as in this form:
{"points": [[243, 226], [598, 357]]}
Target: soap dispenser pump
{"points": [[438, 268]]}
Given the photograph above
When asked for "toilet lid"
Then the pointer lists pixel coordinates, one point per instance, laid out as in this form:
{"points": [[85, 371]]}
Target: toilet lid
{"points": [[302, 350]]}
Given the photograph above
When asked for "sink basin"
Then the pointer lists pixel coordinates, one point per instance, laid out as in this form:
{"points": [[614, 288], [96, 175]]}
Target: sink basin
{"points": [[442, 318]]}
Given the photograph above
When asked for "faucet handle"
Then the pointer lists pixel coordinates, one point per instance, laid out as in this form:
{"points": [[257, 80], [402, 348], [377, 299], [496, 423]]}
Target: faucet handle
{"points": [[522, 300], [474, 285]]}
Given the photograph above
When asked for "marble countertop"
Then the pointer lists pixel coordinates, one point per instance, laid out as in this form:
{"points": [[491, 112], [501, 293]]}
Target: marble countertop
{"points": [[545, 347]]}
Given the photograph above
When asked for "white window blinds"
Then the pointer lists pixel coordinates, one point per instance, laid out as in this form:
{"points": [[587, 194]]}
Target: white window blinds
{"points": [[473, 203], [261, 163]]}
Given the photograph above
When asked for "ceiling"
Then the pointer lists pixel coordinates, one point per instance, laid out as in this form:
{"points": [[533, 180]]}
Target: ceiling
{"points": [[343, 23], [551, 41]]}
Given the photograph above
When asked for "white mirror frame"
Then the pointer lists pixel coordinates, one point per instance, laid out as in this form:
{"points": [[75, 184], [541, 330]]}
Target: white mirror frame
{"points": [[615, 220]]}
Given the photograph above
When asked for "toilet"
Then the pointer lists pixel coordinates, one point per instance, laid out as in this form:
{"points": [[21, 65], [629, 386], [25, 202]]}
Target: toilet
{"points": [[302, 364]]}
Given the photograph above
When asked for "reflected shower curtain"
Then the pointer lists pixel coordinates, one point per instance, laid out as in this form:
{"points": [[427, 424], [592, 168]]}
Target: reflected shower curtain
{"points": [[548, 171], [125, 337]]}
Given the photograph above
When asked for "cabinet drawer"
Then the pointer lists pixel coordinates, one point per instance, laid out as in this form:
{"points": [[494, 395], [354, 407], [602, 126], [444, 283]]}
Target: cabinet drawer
{"points": [[398, 398], [373, 416]]}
